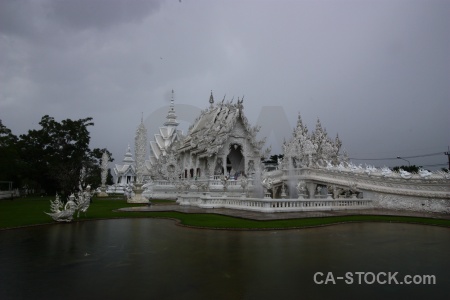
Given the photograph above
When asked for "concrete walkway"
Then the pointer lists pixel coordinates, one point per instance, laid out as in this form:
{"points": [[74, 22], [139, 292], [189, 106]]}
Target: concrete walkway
{"points": [[261, 216]]}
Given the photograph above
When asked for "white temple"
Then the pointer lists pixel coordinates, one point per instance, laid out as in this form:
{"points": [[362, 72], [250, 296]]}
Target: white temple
{"points": [[218, 164]]}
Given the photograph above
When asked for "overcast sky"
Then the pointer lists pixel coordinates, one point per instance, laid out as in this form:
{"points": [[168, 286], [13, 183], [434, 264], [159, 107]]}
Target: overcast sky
{"points": [[376, 72]]}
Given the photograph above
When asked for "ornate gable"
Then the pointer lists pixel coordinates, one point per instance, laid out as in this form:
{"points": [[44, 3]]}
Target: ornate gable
{"points": [[214, 127]]}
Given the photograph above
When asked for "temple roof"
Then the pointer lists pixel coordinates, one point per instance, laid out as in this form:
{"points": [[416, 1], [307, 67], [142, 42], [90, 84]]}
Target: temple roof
{"points": [[120, 170], [168, 134], [128, 164], [212, 128]]}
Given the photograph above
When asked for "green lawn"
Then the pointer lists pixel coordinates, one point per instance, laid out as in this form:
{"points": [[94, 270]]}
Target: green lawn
{"points": [[30, 211]]}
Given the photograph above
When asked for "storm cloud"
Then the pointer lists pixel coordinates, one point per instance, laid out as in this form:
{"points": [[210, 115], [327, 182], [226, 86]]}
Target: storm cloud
{"points": [[376, 72]]}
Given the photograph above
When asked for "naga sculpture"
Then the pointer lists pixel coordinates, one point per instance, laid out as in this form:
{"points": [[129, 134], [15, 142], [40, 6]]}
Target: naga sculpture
{"points": [[61, 212]]}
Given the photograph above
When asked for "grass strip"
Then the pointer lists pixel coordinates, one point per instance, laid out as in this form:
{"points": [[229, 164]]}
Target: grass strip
{"points": [[226, 222], [30, 211]]}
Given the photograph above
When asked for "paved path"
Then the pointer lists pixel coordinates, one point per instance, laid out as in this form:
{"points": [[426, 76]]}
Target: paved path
{"points": [[281, 215]]}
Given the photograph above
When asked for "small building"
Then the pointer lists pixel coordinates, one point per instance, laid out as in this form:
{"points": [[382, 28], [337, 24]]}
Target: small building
{"points": [[125, 173]]}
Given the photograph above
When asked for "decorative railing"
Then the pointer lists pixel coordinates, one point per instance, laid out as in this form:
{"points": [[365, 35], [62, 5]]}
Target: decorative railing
{"points": [[273, 205], [216, 183]]}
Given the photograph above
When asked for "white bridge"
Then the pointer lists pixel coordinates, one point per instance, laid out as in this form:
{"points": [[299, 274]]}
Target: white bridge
{"points": [[326, 189]]}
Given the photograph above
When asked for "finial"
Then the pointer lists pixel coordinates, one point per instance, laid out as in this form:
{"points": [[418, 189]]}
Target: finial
{"points": [[171, 116], [172, 102], [211, 99]]}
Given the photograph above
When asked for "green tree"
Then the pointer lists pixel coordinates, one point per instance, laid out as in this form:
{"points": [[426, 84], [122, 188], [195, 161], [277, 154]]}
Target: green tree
{"points": [[55, 154], [274, 158], [9, 158], [411, 169]]}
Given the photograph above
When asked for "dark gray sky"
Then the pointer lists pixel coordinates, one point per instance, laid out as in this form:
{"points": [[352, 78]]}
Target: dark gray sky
{"points": [[376, 72]]}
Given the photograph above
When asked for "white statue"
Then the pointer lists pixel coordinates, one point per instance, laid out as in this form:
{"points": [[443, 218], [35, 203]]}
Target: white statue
{"points": [[244, 182], [224, 180], [370, 169], [203, 186], [101, 192], [424, 173], [84, 200], [386, 172], [301, 189], [352, 167], [444, 174], [65, 213], [405, 174], [128, 191], [60, 213], [279, 162], [267, 184], [104, 168], [140, 150]]}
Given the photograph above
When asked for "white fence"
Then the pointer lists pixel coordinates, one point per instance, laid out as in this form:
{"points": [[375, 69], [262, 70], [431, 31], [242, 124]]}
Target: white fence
{"points": [[273, 205], [9, 194]]}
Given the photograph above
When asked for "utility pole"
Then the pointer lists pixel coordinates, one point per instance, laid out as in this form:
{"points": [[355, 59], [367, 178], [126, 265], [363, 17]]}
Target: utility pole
{"points": [[448, 156]]}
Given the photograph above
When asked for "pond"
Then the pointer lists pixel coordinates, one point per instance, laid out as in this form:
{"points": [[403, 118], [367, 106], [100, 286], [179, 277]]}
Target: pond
{"points": [[155, 259]]}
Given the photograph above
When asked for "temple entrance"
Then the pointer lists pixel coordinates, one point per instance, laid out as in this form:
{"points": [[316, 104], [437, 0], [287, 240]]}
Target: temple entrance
{"points": [[235, 161]]}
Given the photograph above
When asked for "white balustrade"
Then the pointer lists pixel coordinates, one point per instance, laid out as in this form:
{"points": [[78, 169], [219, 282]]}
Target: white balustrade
{"points": [[273, 205]]}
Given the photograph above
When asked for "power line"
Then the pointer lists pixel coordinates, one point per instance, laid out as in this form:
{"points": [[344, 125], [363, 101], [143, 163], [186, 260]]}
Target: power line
{"points": [[389, 158], [436, 165], [424, 155]]}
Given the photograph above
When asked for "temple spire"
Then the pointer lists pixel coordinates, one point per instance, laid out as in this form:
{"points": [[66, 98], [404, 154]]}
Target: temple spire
{"points": [[211, 100], [128, 156], [171, 116]]}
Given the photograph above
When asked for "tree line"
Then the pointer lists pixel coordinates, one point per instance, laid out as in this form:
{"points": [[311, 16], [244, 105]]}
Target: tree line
{"points": [[51, 159]]}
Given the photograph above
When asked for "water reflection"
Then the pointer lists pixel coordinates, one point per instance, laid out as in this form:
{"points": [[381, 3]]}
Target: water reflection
{"points": [[147, 258]]}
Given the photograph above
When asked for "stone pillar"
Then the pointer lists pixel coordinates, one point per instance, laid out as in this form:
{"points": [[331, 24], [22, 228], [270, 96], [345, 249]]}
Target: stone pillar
{"points": [[283, 191], [311, 186], [224, 162], [212, 165]]}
